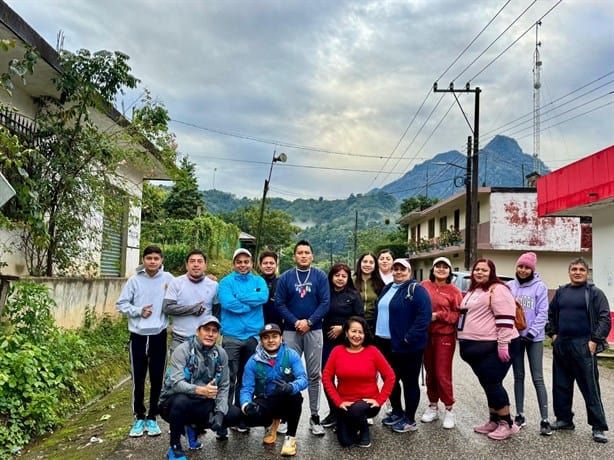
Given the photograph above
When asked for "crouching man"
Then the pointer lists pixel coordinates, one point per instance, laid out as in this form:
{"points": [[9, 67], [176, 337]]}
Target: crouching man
{"points": [[195, 393], [273, 379]]}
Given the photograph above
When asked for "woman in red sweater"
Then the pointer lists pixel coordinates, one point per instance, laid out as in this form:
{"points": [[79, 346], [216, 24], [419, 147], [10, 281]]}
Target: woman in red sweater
{"points": [[356, 396]]}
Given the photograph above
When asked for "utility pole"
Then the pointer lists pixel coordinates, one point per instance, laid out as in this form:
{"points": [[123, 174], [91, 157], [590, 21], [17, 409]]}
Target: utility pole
{"points": [[471, 234], [468, 201]]}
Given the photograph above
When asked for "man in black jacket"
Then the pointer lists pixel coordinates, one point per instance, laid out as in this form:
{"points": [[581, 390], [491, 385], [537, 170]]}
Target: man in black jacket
{"points": [[580, 322]]}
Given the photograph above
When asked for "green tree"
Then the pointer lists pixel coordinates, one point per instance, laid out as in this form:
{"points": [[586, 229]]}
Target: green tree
{"points": [[152, 202], [414, 203], [185, 201]]}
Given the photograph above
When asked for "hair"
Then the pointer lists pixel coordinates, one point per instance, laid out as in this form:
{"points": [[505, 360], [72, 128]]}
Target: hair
{"points": [[152, 249], [365, 327], [492, 277], [195, 252], [578, 261], [302, 243], [336, 268], [432, 273], [265, 254], [385, 251], [376, 278]]}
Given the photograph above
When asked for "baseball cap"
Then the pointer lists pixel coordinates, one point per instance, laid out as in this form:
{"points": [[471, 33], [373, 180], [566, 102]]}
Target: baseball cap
{"points": [[209, 319], [241, 251], [403, 262], [445, 260], [271, 327]]}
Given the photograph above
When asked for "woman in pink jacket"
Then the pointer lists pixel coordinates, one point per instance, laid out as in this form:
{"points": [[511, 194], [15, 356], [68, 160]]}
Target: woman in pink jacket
{"points": [[488, 341]]}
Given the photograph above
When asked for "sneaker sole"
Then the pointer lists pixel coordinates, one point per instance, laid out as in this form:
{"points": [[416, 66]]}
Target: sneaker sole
{"points": [[318, 433], [364, 445]]}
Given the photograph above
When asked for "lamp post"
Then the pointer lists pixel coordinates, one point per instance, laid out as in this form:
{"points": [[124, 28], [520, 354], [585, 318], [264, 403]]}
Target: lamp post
{"points": [[469, 235], [282, 158]]}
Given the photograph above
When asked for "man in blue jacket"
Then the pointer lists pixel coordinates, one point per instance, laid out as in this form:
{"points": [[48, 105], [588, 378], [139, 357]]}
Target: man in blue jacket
{"points": [[141, 301], [241, 296], [272, 383]]}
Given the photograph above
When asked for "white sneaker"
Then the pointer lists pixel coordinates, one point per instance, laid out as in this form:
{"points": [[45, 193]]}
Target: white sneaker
{"points": [[430, 414], [316, 428], [282, 428], [449, 419]]}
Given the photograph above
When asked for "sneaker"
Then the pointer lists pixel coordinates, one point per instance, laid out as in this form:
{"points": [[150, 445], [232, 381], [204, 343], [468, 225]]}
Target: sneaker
{"points": [[544, 428], [563, 425], [364, 438], [176, 453], [137, 429], [503, 431], [392, 419], [449, 420], [192, 436], [271, 433], [283, 427], [370, 421], [404, 426], [315, 426], [289, 447], [599, 436], [152, 428], [241, 427], [487, 428], [430, 414], [520, 420], [329, 421], [222, 435]]}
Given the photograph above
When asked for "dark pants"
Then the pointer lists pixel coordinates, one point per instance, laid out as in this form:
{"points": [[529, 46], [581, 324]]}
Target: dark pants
{"points": [[406, 367], [353, 421], [238, 351], [573, 361], [147, 352], [182, 409], [284, 407], [483, 358]]}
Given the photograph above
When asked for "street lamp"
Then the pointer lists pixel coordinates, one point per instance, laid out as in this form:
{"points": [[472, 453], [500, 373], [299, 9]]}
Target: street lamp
{"points": [[282, 157]]}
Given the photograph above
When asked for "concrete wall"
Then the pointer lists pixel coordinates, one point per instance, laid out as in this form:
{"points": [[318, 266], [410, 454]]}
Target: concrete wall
{"points": [[603, 255], [74, 295]]}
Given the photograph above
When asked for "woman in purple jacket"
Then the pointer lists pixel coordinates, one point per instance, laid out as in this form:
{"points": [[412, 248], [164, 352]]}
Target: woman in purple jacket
{"points": [[532, 293]]}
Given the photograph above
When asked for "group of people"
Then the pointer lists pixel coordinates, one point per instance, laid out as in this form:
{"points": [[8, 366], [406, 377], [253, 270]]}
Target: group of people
{"points": [[360, 335]]}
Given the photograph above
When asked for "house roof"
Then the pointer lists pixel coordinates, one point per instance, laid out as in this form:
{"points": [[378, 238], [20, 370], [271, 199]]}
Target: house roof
{"points": [[48, 67], [579, 188]]}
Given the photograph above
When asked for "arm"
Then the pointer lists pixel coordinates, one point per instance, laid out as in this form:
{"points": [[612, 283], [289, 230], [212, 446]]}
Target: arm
{"points": [[358, 307], [228, 298], [541, 312], [171, 307], [257, 296], [503, 306], [124, 302], [221, 400], [328, 378], [248, 385], [422, 319], [604, 319], [323, 294], [281, 301], [553, 316]]}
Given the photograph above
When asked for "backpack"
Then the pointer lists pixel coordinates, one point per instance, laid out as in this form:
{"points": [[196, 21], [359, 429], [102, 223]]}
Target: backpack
{"points": [[410, 291], [287, 374]]}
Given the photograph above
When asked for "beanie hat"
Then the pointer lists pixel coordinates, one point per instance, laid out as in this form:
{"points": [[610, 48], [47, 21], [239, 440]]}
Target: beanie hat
{"points": [[529, 259]]}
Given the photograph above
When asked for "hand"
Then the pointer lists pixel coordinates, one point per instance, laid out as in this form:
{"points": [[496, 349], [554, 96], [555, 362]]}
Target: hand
{"points": [[434, 316], [208, 391], [251, 410], [371, 402], [592, 346], [504, 354], [345, 405], [301, 326], [147, 311], [334, 332], [282, 388], [218, 422]]}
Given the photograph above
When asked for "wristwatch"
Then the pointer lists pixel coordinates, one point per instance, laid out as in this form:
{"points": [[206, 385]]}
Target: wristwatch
{"points": [[309, 323]]}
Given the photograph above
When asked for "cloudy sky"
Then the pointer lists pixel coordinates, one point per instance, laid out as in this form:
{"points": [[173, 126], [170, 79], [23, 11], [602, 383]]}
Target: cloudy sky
{"points": [[343, 87]]}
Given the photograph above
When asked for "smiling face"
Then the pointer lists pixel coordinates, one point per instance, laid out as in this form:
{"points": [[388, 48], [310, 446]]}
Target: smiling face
{"points": [[271, 341], [400, 273], [355, 334], [578, 274], [385, 262], [441, 271], [152, 263], [242, 264], [196, 266], [340, 280], [268, 266], [523, 271], [367, 265], [481, 272], [208, 334]]}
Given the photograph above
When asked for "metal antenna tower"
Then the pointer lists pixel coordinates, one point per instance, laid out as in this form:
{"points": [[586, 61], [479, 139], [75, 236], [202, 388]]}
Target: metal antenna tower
{"points": [[537, 65]]}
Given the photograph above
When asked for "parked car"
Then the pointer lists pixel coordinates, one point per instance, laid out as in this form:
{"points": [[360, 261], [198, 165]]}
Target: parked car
{"points": [[462, 280]]}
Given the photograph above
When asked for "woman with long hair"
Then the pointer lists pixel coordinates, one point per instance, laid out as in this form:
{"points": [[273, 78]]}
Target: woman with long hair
{"points": [[488, 342], [368, 283], [384, 261]]}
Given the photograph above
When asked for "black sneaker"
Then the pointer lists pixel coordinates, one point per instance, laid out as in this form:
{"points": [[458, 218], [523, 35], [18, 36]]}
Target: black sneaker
{"points": [[544, 428], [364, 439], [241, 427], [329, 421], [520, 420], [563, 425], [599, 436]]}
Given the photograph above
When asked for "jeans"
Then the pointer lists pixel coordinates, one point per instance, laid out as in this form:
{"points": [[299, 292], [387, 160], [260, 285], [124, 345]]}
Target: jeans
{"points": [[535, 352]]}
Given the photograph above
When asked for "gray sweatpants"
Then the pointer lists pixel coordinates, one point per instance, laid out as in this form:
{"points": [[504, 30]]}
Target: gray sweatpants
{"points": [[309, 344]]}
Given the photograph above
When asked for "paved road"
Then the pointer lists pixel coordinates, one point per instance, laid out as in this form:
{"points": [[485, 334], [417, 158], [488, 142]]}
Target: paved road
{"points": [[431, 441]]}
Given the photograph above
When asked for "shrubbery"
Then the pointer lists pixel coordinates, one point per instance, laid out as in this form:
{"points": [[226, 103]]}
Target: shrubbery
{"points": [[42, 366]]}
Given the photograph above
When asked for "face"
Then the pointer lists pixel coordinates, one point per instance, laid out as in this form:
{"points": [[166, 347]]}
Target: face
{"points": [[303, 256], [367, 265], [400, 273], [268, 266], [340, 280], [242, 264], [271, 341], [196, 266], [208, 334], [385, 262], [152, 263], [441, 271], [481, 272], [355, 334], [523, 271], [578, 274]]}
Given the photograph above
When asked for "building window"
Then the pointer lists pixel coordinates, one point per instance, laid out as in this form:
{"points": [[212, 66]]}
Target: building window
{"points": [[413, 234], [456, 219], [443, 223], [431, 228]]}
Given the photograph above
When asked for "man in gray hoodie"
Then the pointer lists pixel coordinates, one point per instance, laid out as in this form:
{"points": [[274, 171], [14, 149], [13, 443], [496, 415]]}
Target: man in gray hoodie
{"points": [[141, 301]]}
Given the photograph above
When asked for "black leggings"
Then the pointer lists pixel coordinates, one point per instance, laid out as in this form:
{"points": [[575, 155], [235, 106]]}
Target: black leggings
{"points": [[285, 407], [352, 421]]}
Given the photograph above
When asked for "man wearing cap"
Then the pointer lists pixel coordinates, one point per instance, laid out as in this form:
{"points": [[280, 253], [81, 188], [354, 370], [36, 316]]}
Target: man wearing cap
{"points": [[302, 298], [439, 352], [190, 298], [195, 392], [272, 383], [241, 295]]}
